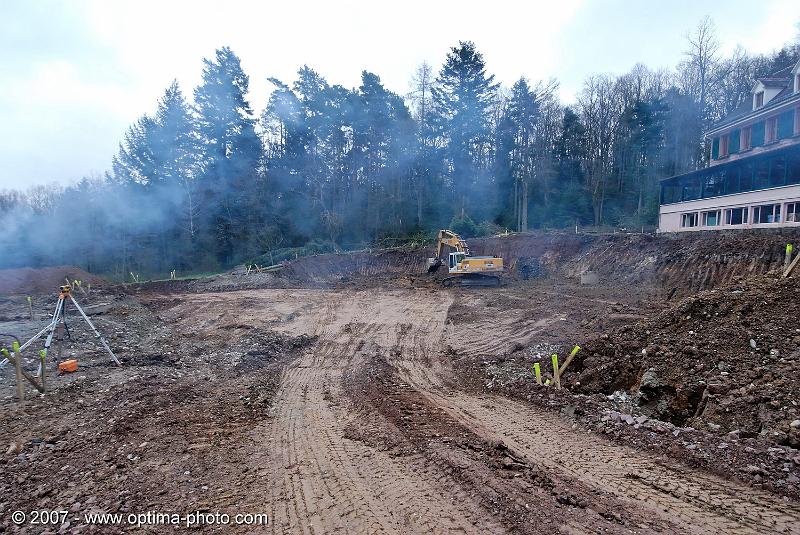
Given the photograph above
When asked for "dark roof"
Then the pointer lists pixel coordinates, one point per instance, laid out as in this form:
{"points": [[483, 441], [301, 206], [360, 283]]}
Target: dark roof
{"points": [[772, 83], [746, 108]]}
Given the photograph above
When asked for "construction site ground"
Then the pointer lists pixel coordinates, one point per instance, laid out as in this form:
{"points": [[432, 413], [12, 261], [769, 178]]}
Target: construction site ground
{"points": [[346, 397]]}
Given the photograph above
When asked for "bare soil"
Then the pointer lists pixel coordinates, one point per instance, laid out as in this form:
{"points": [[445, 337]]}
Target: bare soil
{"points": [[356, 395]]}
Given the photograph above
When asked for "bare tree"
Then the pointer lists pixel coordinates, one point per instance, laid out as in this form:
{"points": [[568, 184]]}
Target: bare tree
{"points": [[700, 70], [599, 104]]}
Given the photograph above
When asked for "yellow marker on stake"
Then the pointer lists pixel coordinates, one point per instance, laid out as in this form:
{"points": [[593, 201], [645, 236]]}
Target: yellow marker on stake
{"points": [[556, 376], [538, 372]]}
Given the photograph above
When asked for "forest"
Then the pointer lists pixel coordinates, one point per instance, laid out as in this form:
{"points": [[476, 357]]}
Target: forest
{"points": [[206, 181]]}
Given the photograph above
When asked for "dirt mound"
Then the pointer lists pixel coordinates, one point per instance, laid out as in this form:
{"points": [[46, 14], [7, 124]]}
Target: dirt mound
{"points": [[337, 267], [678, 264], [727, 360], [33, 281]]}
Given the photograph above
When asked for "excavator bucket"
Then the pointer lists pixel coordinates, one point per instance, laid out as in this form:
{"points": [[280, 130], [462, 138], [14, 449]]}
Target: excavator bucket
{"points": [[433, 264]]}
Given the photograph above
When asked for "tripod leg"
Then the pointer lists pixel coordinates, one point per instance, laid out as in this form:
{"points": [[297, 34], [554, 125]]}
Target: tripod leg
{"points": [[38, 335], [53, 325], [96, 332]]}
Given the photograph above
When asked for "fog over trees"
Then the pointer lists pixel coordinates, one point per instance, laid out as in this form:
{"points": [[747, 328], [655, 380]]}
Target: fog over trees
{"points": [[206, 182]]}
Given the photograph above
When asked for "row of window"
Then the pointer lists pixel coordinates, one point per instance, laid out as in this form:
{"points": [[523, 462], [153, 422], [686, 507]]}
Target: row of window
{"points": [[770, 170], [743, 215], [770, 130]]}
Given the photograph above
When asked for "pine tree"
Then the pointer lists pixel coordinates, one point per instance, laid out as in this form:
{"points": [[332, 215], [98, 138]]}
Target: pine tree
{"points": [[231, 152], [463, 97]]}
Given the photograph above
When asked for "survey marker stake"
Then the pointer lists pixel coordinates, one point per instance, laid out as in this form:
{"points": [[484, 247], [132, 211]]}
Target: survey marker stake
{"points": [[569, 359], [556, 377]]}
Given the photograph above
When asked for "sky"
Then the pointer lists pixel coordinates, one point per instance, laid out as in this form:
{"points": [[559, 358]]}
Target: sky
{"points": [[74, 74]]}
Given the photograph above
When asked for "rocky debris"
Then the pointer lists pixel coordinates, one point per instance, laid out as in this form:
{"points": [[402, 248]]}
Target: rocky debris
{"points": [[147, 435], [720, 378], [731, 456]]}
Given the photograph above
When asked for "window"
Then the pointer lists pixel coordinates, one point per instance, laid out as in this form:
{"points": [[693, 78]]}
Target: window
{"points": [[759, 99], [713, 184], [761, 176], [711, 218], [692, 188], [732, 180], [771, 133], [793, 175], [793, 212], [723, 146], [746, 176], [768, 213], [746, 138], [777, 172], [736, 216], [689, 220]]}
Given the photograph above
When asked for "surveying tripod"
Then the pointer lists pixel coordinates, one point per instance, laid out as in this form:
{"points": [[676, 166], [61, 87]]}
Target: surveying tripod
{"points": [[59, 316]]}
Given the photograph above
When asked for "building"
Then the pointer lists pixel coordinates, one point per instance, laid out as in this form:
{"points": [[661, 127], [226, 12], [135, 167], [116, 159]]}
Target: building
{"points": [[753, 176]]}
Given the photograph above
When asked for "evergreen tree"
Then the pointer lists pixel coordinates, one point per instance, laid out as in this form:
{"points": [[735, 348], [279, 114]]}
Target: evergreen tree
{"points": [[231, 153], [463, 97]]}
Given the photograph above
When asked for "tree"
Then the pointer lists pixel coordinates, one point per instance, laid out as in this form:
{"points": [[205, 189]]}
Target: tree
{"points": [[230, 150], [699, 71], [425, 169], [463, 96], [522, 114]]}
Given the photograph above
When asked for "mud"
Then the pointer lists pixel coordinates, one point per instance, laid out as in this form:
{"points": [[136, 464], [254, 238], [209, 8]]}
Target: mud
{"points": [[356, 395]]}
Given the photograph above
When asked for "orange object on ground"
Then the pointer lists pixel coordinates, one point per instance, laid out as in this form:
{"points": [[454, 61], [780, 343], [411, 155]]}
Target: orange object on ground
{"points": [[68, 366]]}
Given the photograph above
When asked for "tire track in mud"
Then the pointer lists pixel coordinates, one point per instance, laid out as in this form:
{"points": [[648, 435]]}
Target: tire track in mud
{"points": [[326, 483], [698, 502]]}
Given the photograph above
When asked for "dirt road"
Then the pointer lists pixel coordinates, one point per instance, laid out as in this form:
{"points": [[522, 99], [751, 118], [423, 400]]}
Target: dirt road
{"points": [[366, 437]]}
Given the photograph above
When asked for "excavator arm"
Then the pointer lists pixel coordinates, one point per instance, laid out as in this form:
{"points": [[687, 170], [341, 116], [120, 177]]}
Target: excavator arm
{"points": [[451, 239]]}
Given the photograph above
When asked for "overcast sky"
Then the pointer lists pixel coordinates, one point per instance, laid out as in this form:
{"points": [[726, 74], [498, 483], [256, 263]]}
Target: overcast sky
{"points": [[75, 73]]}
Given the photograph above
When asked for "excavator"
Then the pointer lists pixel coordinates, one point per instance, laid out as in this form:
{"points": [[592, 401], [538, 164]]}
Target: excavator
{"points": [[465, 269]]}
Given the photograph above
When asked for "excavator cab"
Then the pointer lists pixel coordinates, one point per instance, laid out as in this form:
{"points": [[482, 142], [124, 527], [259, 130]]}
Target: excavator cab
{"points": [[455, 260]]}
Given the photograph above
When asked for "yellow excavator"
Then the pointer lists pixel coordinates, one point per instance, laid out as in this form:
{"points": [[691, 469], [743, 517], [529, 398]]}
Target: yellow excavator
{"points": [[465, 269]]}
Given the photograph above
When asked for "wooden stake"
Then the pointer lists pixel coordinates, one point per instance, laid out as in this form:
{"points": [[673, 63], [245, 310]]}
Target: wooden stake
{"points": [[556, 376], [16, 360], [18, 368], [569, 359], [42, 356], [30, 306], [791, 267]]}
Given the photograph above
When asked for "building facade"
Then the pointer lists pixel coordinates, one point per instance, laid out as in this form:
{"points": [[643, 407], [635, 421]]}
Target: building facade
{"points": [[753, 176]]}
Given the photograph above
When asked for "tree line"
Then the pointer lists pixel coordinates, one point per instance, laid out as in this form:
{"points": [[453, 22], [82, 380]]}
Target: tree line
{"points": [[205, 183]]}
